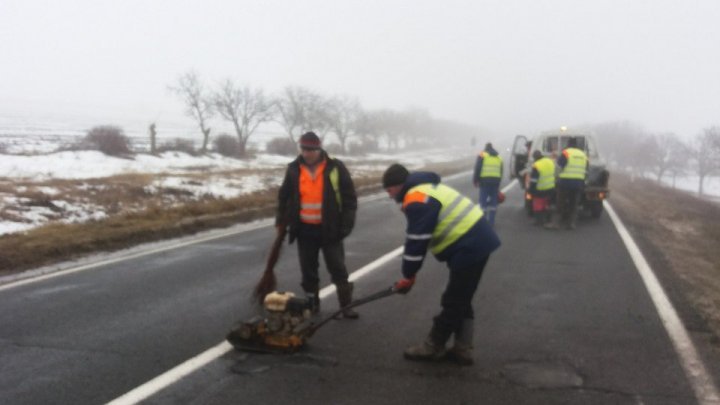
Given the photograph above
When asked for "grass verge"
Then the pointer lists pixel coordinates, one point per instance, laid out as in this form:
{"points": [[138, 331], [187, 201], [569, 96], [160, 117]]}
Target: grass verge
{"points": [[155, 221]]}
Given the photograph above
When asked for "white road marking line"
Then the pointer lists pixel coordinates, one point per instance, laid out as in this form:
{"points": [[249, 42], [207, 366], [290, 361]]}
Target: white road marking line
{"points": [[250, 227], [695, 371], [173, 375]]}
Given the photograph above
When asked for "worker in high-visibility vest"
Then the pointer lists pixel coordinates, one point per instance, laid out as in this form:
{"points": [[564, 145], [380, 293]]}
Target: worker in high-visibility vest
{"points": [[487, 175], [542, 187], [573, 164], [455, 230], [317, 203]]}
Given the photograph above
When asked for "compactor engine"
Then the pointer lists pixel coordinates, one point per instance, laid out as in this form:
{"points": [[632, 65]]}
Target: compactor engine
{"points": [[283, 327]]}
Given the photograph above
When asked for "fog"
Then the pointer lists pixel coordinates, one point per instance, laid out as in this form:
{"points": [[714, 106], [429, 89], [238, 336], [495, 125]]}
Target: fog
{"points": [[506, 66]]}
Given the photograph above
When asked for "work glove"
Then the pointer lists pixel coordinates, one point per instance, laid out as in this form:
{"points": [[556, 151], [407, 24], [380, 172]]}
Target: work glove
{"points": [[404, 285]]}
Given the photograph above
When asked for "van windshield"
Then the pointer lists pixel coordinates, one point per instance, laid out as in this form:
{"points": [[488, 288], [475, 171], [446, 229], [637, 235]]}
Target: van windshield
{"points": [[550, 145]]}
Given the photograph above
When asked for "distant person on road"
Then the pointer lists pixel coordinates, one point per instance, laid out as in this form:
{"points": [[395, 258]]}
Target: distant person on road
{"points": [[573, 165], [456, 231], [487, 175], [542, 187], [317, 202]]}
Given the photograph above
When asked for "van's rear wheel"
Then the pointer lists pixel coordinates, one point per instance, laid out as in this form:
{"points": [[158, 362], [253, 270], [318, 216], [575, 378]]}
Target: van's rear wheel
{"points": [[596, 208]]}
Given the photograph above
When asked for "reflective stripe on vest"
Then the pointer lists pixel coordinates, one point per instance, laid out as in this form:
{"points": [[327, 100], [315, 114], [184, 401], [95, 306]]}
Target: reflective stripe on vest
{"points": [[457, 215], [491, 166], [546, 169], [576, 164], [335, 183], [311, 193]]}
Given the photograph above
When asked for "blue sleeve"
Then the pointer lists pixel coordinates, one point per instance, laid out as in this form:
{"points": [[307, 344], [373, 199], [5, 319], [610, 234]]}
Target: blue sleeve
{"points": [[478, 169], [422, 219], [561, 161]]}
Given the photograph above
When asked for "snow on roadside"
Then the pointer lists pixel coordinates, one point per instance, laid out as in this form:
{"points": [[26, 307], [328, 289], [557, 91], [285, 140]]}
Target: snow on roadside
{"points": [[175, 171], [94, 164]]}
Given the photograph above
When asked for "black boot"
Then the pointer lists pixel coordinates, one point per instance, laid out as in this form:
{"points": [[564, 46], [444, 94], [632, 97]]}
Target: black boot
{"points": [[314, 297], [344, 292]]}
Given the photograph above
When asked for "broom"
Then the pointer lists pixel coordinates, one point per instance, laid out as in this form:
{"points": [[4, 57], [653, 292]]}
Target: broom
{"points": [[268, 283]]}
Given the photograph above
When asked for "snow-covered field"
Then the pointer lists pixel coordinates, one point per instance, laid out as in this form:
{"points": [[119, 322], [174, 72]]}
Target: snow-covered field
{"points": [[29, 170], [39, 186]]}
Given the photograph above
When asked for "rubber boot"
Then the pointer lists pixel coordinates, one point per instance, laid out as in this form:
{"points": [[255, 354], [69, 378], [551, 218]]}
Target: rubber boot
{"points": [[344, 292], [429, 350], [552, 224], [573, 222], [314, 297], [462, 350]]}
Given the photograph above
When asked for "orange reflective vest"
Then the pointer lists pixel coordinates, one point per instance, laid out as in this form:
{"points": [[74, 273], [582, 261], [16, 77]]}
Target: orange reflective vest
{"points": [[311, 193]]}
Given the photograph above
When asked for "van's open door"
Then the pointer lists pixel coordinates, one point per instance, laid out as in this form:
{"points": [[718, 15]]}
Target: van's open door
{"points": [[519, 157]]}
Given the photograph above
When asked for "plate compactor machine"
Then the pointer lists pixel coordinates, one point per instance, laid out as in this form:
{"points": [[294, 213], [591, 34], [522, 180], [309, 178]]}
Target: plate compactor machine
{"points": [[287, 323]]}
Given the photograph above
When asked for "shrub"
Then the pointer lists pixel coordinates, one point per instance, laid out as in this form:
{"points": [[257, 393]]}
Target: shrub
{"points": [[179, 145], [227, 145], [363, 147], [108, 139], [282, 146], [333, 149]]}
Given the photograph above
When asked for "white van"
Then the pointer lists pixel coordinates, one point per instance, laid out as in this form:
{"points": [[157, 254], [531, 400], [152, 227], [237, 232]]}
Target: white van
{"points": [[551, 145]]}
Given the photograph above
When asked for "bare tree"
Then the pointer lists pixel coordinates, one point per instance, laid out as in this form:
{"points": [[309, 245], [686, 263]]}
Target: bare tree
{"points": [[292, 108], [197, 103], [661, 152], [317, 118], [343, 114], [706, 154], [244, 107], [417, 125], [389, 123], [618, 140], [680, 163]]}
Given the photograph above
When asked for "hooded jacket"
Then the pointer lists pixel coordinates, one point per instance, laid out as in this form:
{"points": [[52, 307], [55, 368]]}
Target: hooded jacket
{"points": [[337, 220], [422, 218], [478, 169]]}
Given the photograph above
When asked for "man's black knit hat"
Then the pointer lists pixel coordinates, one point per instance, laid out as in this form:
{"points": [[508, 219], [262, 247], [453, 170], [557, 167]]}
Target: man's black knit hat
{"points": [[394, 175], [310, 140]]}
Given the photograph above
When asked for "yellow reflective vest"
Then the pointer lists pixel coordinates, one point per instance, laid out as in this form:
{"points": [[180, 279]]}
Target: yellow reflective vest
{"points": [[546, 170], [491, 166], [457, 215], [576, 165]]}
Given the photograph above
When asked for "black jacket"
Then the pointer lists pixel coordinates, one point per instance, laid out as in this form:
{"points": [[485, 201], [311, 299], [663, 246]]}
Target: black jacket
{"points": [[337, 221]]}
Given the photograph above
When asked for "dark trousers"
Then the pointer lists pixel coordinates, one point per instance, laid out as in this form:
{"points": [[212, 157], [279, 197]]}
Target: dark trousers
{"points": [[457, 300], [489, 200], [309, 244], [567, 203]]}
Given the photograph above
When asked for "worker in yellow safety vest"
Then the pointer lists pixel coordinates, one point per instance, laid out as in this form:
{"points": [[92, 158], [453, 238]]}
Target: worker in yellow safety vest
{"points": [[573, 164], [542, 187], [455, 230], [487, 175]]}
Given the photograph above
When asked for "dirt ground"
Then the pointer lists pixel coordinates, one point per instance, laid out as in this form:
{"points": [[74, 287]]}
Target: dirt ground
{"points": [[678, 233]]}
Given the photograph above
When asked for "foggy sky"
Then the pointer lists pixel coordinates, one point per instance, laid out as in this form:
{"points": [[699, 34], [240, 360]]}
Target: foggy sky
{"points": [[508, 66]]}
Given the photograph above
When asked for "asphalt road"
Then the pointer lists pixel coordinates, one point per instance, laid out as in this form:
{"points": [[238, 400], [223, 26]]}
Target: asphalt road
{"points": [[561, 317]]}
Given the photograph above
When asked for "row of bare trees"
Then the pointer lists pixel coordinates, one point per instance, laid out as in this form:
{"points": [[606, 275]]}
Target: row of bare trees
{"points": [[627, 145], [299, 109]]}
